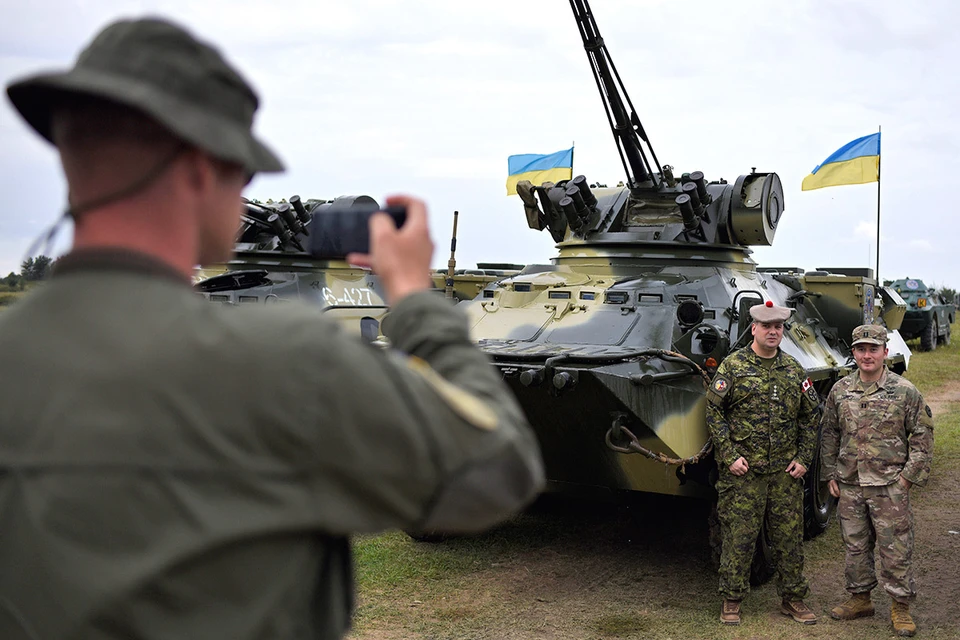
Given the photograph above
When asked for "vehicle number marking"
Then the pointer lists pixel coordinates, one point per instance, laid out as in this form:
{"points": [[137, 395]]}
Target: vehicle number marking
{"points": [[353, 296]]}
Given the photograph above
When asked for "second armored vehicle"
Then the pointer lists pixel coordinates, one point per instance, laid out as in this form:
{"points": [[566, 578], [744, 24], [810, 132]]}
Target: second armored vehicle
{"points": [[928, 316]]}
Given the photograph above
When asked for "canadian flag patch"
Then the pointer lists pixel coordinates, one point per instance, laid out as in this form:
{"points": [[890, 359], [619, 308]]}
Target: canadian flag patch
{"points": [[807, 384]]}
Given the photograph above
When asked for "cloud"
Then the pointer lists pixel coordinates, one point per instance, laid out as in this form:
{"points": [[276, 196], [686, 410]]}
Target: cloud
{"points": [[377, 96]]}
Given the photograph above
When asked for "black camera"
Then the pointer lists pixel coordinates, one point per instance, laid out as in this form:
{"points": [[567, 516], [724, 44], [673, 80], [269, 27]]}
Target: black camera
{"points": [[341, 227]]}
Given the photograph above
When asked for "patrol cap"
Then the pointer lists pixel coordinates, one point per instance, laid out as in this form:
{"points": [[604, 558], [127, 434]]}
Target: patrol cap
{"points": [[870, 334], [159, 68], [768, 312]]}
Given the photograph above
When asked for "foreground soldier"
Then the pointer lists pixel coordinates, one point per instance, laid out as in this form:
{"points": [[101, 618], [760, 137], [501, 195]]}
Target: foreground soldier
{"points": [[762, 415], [877, 443], [177, 469]]}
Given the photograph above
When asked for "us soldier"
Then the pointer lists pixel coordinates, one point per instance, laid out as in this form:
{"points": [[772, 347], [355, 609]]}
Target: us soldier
{"points": [[174, 468], [877, 443], [762, 415]]}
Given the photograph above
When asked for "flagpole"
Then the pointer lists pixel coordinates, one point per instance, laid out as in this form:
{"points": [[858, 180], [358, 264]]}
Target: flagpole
{"points": [[879, 154]]}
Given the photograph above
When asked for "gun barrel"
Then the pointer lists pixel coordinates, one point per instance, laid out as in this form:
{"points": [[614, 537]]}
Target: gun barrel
{"points": [[627, 129]]}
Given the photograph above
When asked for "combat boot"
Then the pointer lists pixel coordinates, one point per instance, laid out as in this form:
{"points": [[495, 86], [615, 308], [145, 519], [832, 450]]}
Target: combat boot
{"points": [[799, 611], [730, 611], [858, 605], [902, 621]]}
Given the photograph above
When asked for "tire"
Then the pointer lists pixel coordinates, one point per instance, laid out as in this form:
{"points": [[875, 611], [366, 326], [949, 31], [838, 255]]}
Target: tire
{"points": [[928, 339], [818, 505]]}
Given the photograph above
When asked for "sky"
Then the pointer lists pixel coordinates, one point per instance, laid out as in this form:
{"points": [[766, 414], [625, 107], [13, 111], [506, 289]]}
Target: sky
{"points": [[378, 97]]}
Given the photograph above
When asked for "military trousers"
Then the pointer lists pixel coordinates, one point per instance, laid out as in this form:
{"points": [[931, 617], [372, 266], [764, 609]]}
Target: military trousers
{"points": [[878, 518], [744, 503]]}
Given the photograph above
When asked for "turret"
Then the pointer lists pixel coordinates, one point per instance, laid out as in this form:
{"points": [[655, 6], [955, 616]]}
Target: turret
{"points": [[653, 206]]}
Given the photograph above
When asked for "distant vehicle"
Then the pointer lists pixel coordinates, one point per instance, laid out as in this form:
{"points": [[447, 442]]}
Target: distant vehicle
{"points": [[928, 316]]}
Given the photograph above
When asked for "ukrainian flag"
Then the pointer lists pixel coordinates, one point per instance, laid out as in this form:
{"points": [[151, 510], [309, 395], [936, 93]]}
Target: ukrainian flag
{"points": [[539, 169], [856, 162]]}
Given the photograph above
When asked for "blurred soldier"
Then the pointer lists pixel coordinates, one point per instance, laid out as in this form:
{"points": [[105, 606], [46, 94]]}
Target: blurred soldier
{"points": [[177, 469], [762, 415], [877, 443]]}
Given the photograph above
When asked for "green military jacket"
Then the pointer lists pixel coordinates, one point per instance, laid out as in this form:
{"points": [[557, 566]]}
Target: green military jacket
{"points": [[767, 416], [874, 433], [171, 468]]}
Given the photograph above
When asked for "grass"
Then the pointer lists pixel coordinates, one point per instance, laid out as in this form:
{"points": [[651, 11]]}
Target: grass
{"points": [[9, 297], [607, 571], [930, 370]]}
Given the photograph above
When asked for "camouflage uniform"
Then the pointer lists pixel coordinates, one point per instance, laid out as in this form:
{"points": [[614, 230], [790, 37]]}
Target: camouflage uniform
{"points": [[769, 417], [872, 434]]}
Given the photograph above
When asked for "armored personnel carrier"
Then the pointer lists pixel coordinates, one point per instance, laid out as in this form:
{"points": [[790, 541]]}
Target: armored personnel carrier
{"points": [[928, 316], [271, 265], [609, 348]]}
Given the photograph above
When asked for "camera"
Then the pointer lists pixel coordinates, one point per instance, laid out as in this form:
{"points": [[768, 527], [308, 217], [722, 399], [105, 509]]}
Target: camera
{"points": [[340, 228]]}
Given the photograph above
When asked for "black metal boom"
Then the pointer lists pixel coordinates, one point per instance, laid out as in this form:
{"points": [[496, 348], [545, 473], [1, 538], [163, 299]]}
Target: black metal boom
{"points": [[627, 130]]}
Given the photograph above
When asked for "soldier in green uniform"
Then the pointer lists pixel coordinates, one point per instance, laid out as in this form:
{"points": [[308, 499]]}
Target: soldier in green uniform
{"points": [[877, 444], [762, 416], [176, 469]]}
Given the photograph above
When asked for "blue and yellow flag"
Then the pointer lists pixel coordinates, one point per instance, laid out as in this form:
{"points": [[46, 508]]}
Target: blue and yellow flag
{"points": [[539, 169], [856, 162]]}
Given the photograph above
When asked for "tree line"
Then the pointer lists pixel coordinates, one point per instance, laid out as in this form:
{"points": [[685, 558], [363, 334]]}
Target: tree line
{"points": [[31, 270]]}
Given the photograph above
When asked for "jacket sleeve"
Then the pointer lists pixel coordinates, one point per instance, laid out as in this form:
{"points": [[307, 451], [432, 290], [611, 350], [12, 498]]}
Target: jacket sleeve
{"points": [[808, 421], [830, 444], [919, 429], [424, 436], [725, 450]]}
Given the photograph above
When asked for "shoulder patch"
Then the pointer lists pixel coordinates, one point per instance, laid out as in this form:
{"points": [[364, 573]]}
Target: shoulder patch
{"points": [[721, 386], [929, 413], [465, 404]]}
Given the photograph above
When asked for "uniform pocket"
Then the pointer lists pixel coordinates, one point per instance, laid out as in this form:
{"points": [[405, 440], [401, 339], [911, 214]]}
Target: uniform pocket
{"points": [[740, 432]]}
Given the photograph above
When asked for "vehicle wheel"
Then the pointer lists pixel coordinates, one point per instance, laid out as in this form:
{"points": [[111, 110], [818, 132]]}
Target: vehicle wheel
{"points": [[761, 570], [928, 339], [818, 504], [946, 337]]}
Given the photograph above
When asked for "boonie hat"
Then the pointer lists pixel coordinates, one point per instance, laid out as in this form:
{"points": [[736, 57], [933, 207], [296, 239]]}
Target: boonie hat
{"points": [[161, 69], [768, 312], [870, 334]]}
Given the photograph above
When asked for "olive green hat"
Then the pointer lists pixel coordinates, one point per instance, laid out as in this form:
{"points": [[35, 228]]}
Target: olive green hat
{"points": [[870, 334], [161, 69]]}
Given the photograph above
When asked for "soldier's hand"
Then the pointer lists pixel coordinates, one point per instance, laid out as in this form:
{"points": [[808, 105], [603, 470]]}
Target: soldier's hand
{"points": [[796, 470], [739, 467], [401, 257], [906, 484], [834, 488]]}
